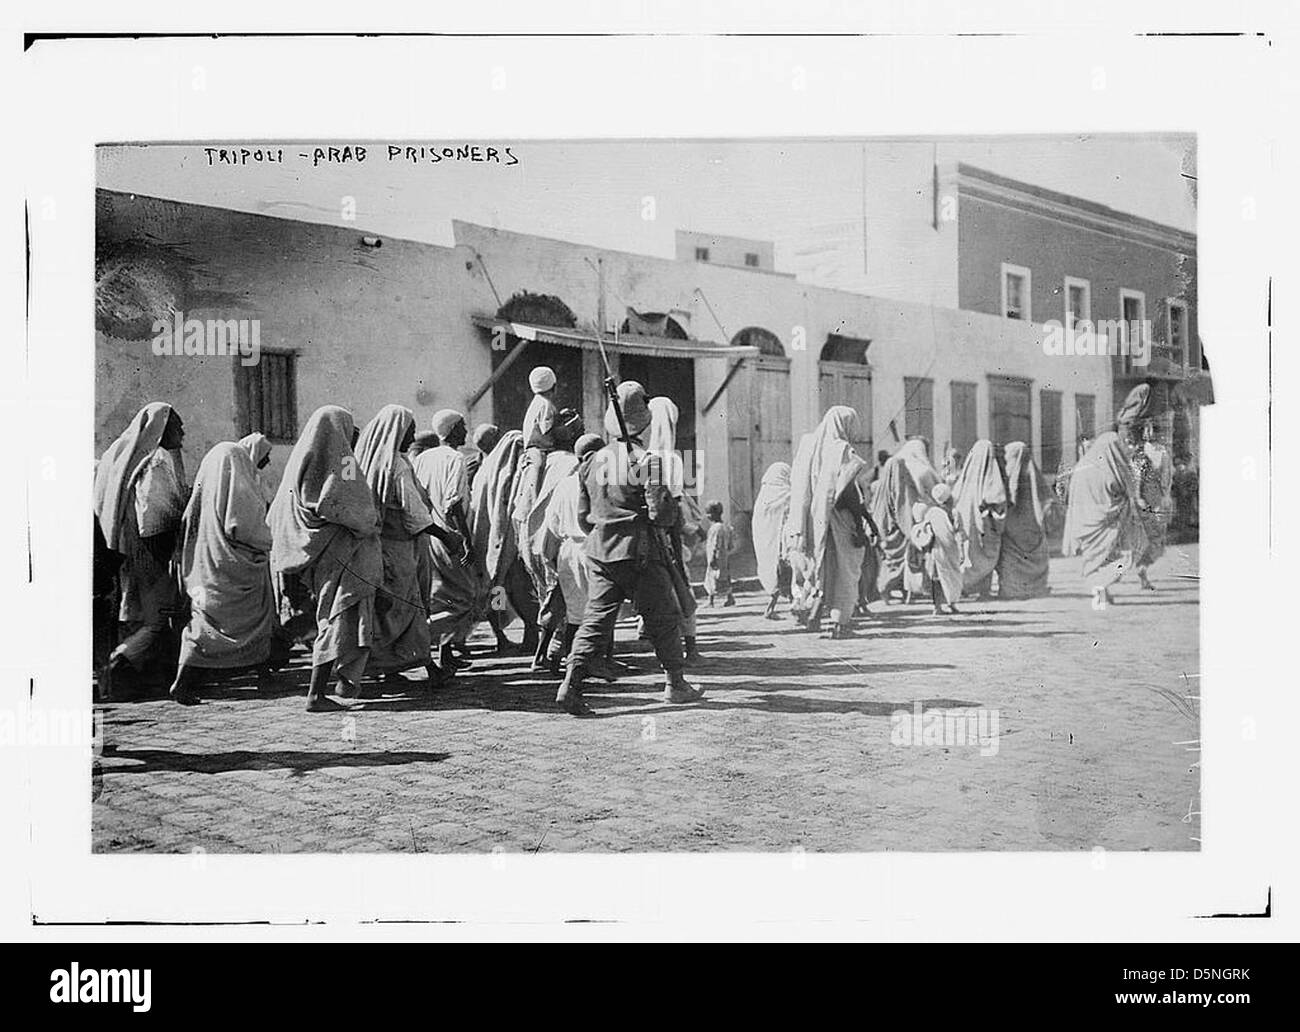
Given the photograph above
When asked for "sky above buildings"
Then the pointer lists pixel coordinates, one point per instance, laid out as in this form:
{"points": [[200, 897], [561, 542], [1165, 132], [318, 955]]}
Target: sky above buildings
{"points": [[634, 195]]}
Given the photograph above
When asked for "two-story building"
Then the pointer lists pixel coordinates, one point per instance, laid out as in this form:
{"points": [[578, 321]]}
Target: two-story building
{"points": [[1036, 256]]}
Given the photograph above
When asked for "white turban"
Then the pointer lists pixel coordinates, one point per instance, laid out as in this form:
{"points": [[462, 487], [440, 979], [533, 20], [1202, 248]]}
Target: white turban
{"points": [[445, 420], [541, 379]]}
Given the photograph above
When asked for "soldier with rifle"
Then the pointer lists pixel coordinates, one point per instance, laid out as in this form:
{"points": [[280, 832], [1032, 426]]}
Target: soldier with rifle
{"points": [[623, 503]]}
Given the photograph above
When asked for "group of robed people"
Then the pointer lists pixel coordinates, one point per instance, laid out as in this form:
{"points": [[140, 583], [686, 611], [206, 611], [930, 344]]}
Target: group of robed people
{"points": [[834, 532], [382, 548]]}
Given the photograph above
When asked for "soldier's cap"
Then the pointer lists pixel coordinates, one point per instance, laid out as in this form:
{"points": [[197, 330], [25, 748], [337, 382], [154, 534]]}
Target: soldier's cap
{"points": [[636, 410]]}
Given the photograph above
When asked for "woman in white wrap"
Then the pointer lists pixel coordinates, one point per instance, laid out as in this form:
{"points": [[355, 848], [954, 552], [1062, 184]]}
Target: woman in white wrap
{"points": [[1102, 523], [981, 508], [661, 440], [139, 498], [1023, 561], [259, 450], [906, 478], [225, 567], [771, 509], [402, 638], [325, 530], [826, 472]]}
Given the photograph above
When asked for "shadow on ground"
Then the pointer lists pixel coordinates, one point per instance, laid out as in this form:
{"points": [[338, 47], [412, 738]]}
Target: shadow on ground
{"points": [[148, 761]]}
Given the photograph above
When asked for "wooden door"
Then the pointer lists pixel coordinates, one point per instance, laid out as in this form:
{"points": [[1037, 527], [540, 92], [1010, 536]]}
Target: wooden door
{"points": [[758, 400], [843, 384]]}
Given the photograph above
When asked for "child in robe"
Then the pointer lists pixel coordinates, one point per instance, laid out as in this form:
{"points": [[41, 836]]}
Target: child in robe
{"points": [[935, 536], [718, 547]]}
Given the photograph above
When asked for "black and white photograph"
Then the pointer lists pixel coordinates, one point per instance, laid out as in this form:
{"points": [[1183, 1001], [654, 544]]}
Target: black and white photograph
{"points": [[812, 472], [652, 476]]}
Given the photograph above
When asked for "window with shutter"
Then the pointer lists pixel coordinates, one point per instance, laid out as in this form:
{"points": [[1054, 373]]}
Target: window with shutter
{"points": [[965, 431], [1049, 455], [266, 396], [918, 411], [1009, 408]]}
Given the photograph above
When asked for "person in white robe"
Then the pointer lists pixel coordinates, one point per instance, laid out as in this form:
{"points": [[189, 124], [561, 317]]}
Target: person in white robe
{"points": [[457, 590], [402, 638], [561, 544], [771, 509], [325, 534], [225, 567], [140, 495]]}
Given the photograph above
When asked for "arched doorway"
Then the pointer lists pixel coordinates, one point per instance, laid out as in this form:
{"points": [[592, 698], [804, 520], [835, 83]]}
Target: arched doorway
{"points": [[844, 378], [653, 324], [758, 418], [511, 394]]}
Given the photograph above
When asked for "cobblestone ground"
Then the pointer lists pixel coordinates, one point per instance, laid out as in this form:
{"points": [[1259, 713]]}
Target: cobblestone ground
{"points": [[795, 745]]}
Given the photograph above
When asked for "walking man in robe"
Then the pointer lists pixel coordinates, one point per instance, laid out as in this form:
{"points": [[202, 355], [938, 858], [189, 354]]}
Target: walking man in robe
{"points": [[456, 590]]}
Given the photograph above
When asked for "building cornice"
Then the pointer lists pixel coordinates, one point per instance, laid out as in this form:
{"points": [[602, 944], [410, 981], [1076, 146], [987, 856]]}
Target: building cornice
{"points": [[1075, 211]]}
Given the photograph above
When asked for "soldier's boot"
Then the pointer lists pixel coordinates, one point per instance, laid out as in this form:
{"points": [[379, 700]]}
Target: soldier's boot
{"points": [[678, 689], [601, 667], [693, 656], [569, 697]]}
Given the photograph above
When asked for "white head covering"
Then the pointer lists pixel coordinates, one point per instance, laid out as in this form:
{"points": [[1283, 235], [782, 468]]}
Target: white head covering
{"points": [[320, 491], [661, 439], [980, 484], [444, 420], [257, 446], [122, 463], [378, 450], [825, 455], [541, 379], [768, 524]]}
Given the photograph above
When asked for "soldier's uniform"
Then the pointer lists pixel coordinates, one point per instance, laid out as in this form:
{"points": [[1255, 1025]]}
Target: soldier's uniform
{"points": [[621, 499]]}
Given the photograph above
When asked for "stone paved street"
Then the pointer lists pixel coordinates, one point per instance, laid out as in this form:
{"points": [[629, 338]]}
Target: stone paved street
{"points": [[791, 748]]}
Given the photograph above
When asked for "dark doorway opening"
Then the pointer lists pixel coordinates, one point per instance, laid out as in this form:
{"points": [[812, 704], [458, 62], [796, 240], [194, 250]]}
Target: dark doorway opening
{"points": [[672, 378], [511, 394]]}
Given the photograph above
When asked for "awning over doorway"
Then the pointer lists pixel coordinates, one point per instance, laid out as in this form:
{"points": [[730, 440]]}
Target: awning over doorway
{"points": [[633, 344]]}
